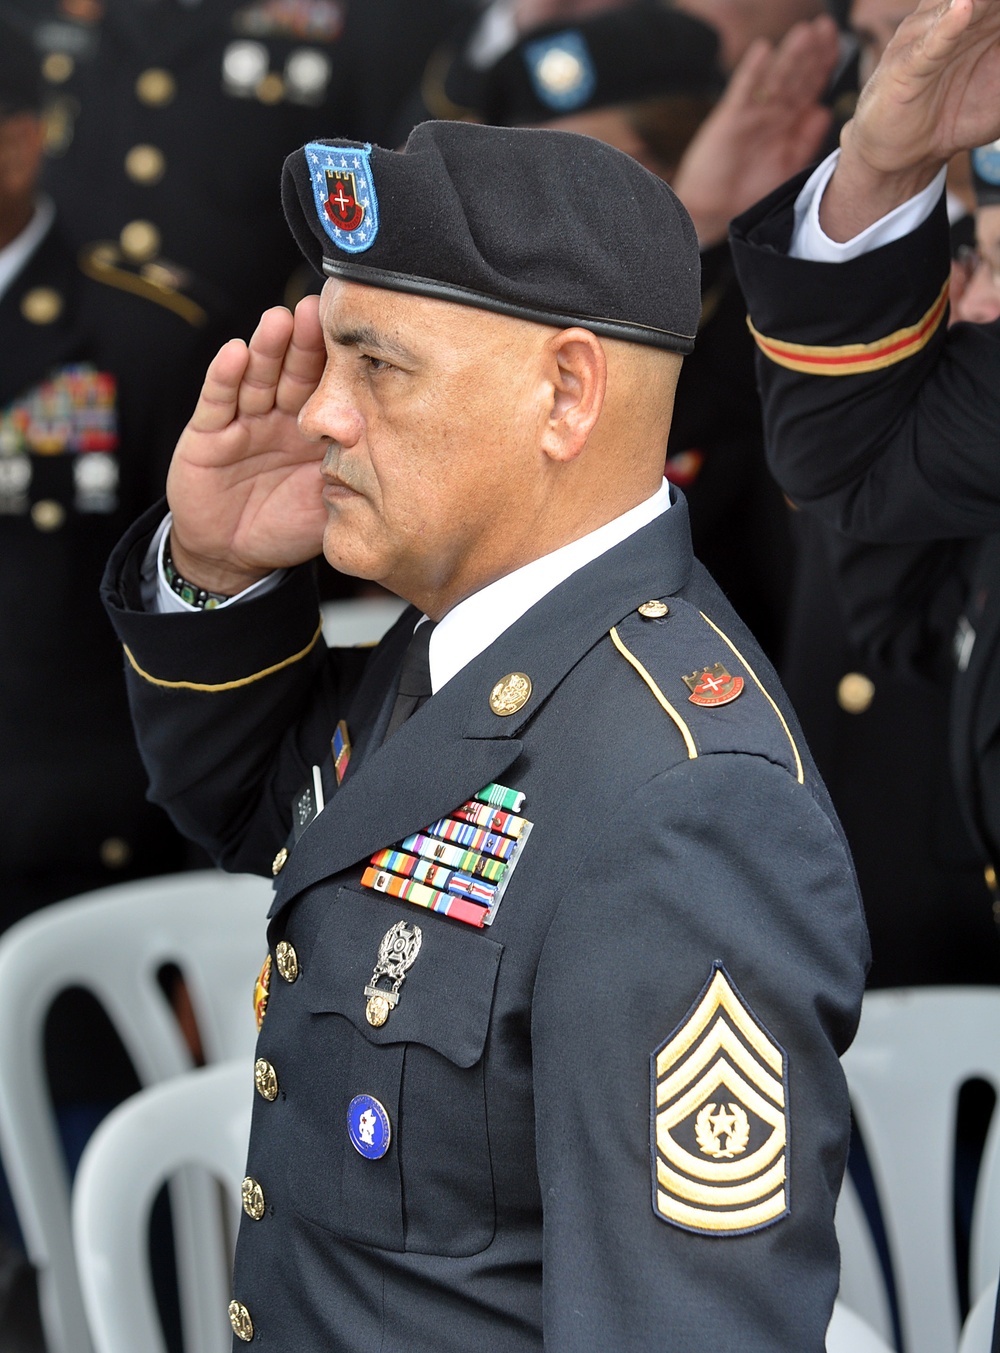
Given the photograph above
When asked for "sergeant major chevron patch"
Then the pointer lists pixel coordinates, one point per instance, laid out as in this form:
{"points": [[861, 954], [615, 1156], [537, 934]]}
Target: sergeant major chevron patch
{"points": [[719, 1125]]}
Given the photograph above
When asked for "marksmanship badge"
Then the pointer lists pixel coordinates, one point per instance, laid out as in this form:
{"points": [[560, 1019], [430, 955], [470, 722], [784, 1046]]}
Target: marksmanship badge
{"points": [[719, 1117], [396, 956], [345, 194]]}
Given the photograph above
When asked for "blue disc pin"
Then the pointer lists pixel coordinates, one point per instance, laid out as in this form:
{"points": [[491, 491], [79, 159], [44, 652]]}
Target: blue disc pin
{"points": [[368, 1127]]}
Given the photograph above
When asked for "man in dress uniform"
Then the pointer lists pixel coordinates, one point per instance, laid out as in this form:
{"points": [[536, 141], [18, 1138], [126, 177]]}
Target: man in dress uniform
{"points": [[166, 119], [565, 942], [880, 417]]}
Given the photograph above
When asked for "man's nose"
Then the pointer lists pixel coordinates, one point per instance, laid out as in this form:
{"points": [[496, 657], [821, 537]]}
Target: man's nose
{"points": [[329, 415]]}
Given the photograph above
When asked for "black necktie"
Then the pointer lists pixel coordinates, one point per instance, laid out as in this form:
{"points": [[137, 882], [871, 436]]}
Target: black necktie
{"points": [[414, 679]]}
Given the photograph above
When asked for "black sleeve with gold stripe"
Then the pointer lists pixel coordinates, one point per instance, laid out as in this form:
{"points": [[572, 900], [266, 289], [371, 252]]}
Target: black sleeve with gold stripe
{"points": [[236, 678], [877, 415]]}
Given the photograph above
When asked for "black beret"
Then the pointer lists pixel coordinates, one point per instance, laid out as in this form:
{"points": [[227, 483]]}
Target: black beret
{"points": [[540, 225], [20, 72], [625, 56]]}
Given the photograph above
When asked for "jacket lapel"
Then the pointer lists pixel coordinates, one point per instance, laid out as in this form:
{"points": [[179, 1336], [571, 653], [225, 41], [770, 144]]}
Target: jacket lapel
{"points": [[455, 744]]}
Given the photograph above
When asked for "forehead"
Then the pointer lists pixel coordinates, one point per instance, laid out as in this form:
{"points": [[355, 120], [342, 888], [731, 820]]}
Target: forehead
{"points": [[419, 322]]}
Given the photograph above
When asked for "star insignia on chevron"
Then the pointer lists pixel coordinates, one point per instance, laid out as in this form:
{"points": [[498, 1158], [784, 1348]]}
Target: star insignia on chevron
{"points": [[719, 1118]]}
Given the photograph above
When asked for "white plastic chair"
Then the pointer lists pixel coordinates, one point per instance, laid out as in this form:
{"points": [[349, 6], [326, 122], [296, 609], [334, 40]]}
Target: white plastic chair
{"points": [[359, 620], [848, 1333], [199, 1119], [114, 942], [977, 1332], [914, 1051]]}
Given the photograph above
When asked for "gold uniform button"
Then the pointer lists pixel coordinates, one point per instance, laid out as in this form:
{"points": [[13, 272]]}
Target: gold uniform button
{"points": [[145, 164], [510, 694], [990, 875], [654, 610], [115, 853], [279, 861], [287, 960], [48, 515], [140, 241], [265, 1078], [239, 1318], [58, 67], [155, 87], [855, 692], [253, 1199], [41, 305], [271, 89]]}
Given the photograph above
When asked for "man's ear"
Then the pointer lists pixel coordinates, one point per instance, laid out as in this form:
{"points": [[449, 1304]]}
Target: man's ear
{"points": [[578, 376]]}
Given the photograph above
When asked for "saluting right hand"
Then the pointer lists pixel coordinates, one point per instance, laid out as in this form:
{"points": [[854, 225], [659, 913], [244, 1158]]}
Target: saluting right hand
{"points": [[244, 485], [936, 91]]}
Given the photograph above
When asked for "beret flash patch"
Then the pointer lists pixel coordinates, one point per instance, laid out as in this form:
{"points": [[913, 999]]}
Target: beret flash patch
{"points": [[344, 189], [719, 1118]]}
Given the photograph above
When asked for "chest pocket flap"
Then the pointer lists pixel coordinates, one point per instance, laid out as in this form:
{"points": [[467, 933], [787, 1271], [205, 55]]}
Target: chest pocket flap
{"points": [[445, 998]]}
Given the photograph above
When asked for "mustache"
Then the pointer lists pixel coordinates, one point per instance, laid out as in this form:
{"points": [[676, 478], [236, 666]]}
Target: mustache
{"points": [[332, 470]]}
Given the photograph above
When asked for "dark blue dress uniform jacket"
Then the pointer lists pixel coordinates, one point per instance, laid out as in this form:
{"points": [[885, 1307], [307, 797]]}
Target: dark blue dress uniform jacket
{"points": [[64, 720], [674, 846], [897, 448]]}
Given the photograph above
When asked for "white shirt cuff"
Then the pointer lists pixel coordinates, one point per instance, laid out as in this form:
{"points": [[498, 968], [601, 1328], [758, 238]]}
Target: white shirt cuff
{"points": [[810, 243], [160, 598]]}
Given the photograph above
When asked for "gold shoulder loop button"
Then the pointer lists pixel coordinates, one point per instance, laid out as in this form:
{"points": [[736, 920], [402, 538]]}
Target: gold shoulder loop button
{"points": [[654, 610], [279, 861], [510, 694], [239, 1318], [41, 305]]}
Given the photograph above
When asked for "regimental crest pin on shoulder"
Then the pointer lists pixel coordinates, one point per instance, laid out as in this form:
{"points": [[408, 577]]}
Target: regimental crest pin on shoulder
{"points": [[713, 686], [344, 189], [719, 1119]]}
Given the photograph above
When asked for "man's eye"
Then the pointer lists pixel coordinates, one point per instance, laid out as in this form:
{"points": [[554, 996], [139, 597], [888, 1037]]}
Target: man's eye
{"points": [[376, 364]]}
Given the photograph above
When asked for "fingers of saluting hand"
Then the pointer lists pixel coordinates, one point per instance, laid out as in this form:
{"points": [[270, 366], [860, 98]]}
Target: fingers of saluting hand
{"points": [[938, 29], [216, 407], [792, 75], [305, 357]]}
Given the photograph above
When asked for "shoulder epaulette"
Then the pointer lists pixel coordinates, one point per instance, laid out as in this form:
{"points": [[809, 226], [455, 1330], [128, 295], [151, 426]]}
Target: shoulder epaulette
{"points": [[157, 280], [704, 684]]}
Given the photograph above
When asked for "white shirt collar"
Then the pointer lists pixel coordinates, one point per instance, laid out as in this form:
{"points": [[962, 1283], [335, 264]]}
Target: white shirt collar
{"points": [[470, 627], [15, 255]]}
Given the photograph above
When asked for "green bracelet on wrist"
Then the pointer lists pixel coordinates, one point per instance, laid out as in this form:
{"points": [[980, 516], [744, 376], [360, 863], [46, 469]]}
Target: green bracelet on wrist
{"points": [[189, 592]]}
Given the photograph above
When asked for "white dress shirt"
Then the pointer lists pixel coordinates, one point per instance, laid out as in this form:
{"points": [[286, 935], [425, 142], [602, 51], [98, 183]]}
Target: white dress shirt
{"points": [[810, 242]]}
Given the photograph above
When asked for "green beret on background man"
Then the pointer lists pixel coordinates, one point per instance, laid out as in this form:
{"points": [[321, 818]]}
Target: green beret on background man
{"points": [[565, 943]]}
